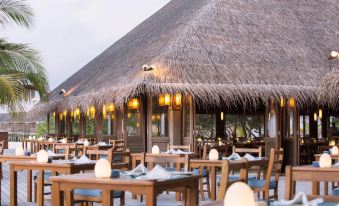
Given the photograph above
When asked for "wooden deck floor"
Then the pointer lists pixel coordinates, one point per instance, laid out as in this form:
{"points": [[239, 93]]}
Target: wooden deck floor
{"points": [[163, 200]]}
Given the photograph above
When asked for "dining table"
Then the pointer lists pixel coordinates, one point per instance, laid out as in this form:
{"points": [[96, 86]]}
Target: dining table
{"points": [[63, 186], [213, 165], [311, 174], [8, 158], [55, 167]]}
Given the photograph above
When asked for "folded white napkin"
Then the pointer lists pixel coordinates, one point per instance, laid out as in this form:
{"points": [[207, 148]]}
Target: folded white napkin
{"points": [[80, 141], [300, 198], [158, 172], [179, 151], [83, 160], [336, 164], [171, 151], [50, 153], [249, 157], [140, 169], [234, 156], [102, 144]]}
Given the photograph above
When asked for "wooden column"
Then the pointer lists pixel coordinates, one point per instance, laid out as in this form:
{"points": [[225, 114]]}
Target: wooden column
{"points": [[82, 126], [98, 125]]}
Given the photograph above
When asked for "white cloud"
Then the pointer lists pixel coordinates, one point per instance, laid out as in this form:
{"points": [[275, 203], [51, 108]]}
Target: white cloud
{"points": [[70, 33]]}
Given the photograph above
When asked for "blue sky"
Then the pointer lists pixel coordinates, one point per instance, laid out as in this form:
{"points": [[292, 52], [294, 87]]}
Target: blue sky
{"points": [[70, 33]]}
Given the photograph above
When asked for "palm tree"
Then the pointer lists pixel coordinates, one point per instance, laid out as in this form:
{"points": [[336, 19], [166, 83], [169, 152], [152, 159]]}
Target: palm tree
{"points": [[21, 72]]}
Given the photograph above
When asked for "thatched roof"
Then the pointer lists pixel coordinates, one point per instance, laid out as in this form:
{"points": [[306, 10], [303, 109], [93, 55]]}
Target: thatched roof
{"points": [[218, 51], [330, 87]]}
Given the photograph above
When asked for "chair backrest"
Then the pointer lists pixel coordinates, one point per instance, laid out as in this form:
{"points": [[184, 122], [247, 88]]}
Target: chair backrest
{"points": [[136, 159], [62, 149], [226, 169], [181, 147], [277, 165], [118, 144], [99, 153], [255, 151], [152, 159]]}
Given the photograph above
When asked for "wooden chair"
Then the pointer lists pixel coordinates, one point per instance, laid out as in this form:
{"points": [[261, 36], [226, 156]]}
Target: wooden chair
{"points": [[226, 170], [93, 195], [118, 144], [181, 147], [253, 151], [272, 176], [58, 149], [204, 173], [168, 159]]}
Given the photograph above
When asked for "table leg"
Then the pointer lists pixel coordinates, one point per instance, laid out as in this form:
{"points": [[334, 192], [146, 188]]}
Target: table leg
{"points": [[193, 194], [69, 198], [40, 188], [29, 185], [13, 187], [56, 194], [213, 183], [107, 198], [151, 197]]}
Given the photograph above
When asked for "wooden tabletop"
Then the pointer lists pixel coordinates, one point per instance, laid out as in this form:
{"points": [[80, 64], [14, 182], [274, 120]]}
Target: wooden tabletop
{"points": [[150, 188]]}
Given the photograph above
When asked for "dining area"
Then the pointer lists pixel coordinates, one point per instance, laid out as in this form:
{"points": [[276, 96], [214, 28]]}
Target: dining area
{"points": [[107, 173]]}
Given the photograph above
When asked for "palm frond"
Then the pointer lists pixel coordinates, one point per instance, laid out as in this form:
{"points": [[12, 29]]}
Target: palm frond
{"points": [[11, 91], [20, 58], [15, 11]]}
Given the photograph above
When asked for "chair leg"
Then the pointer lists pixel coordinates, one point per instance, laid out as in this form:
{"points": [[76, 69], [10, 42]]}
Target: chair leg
{"points": [[184, 198], [35, 191], [276, 193], [266, 194], [122, 198], [208, 185], [201, 188]]}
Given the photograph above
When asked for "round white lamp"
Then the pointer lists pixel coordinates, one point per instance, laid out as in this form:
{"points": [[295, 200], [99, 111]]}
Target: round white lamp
{"points": [[213, 155], [335, 150], [325, 160], [50, 139], [155, 149], [239, 194], [102, 168], [42, 156], [86, 143], [19, 151], [64, 141], [41, 139], [30, 137]]}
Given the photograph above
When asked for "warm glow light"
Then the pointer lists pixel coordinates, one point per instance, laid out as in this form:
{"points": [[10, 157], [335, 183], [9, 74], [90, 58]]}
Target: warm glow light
{"points": [[19, 151], [91, 112], [42, 156], [334, 54], [335, 150], [178, 99], [155, 149], [320, 113], [315, 117], [291, 102], [222, 116], [53, 114], [102, 168], [239, 194], [325, 160], [167, 99], [332, 143], [76, 113], [213, 155], [111, 107], [282, 102], [133, 103]]}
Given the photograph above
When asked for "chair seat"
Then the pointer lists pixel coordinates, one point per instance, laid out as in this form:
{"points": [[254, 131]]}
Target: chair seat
{"points": [[261, 183], [197, 172], [335, 192], [94, 193]]}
